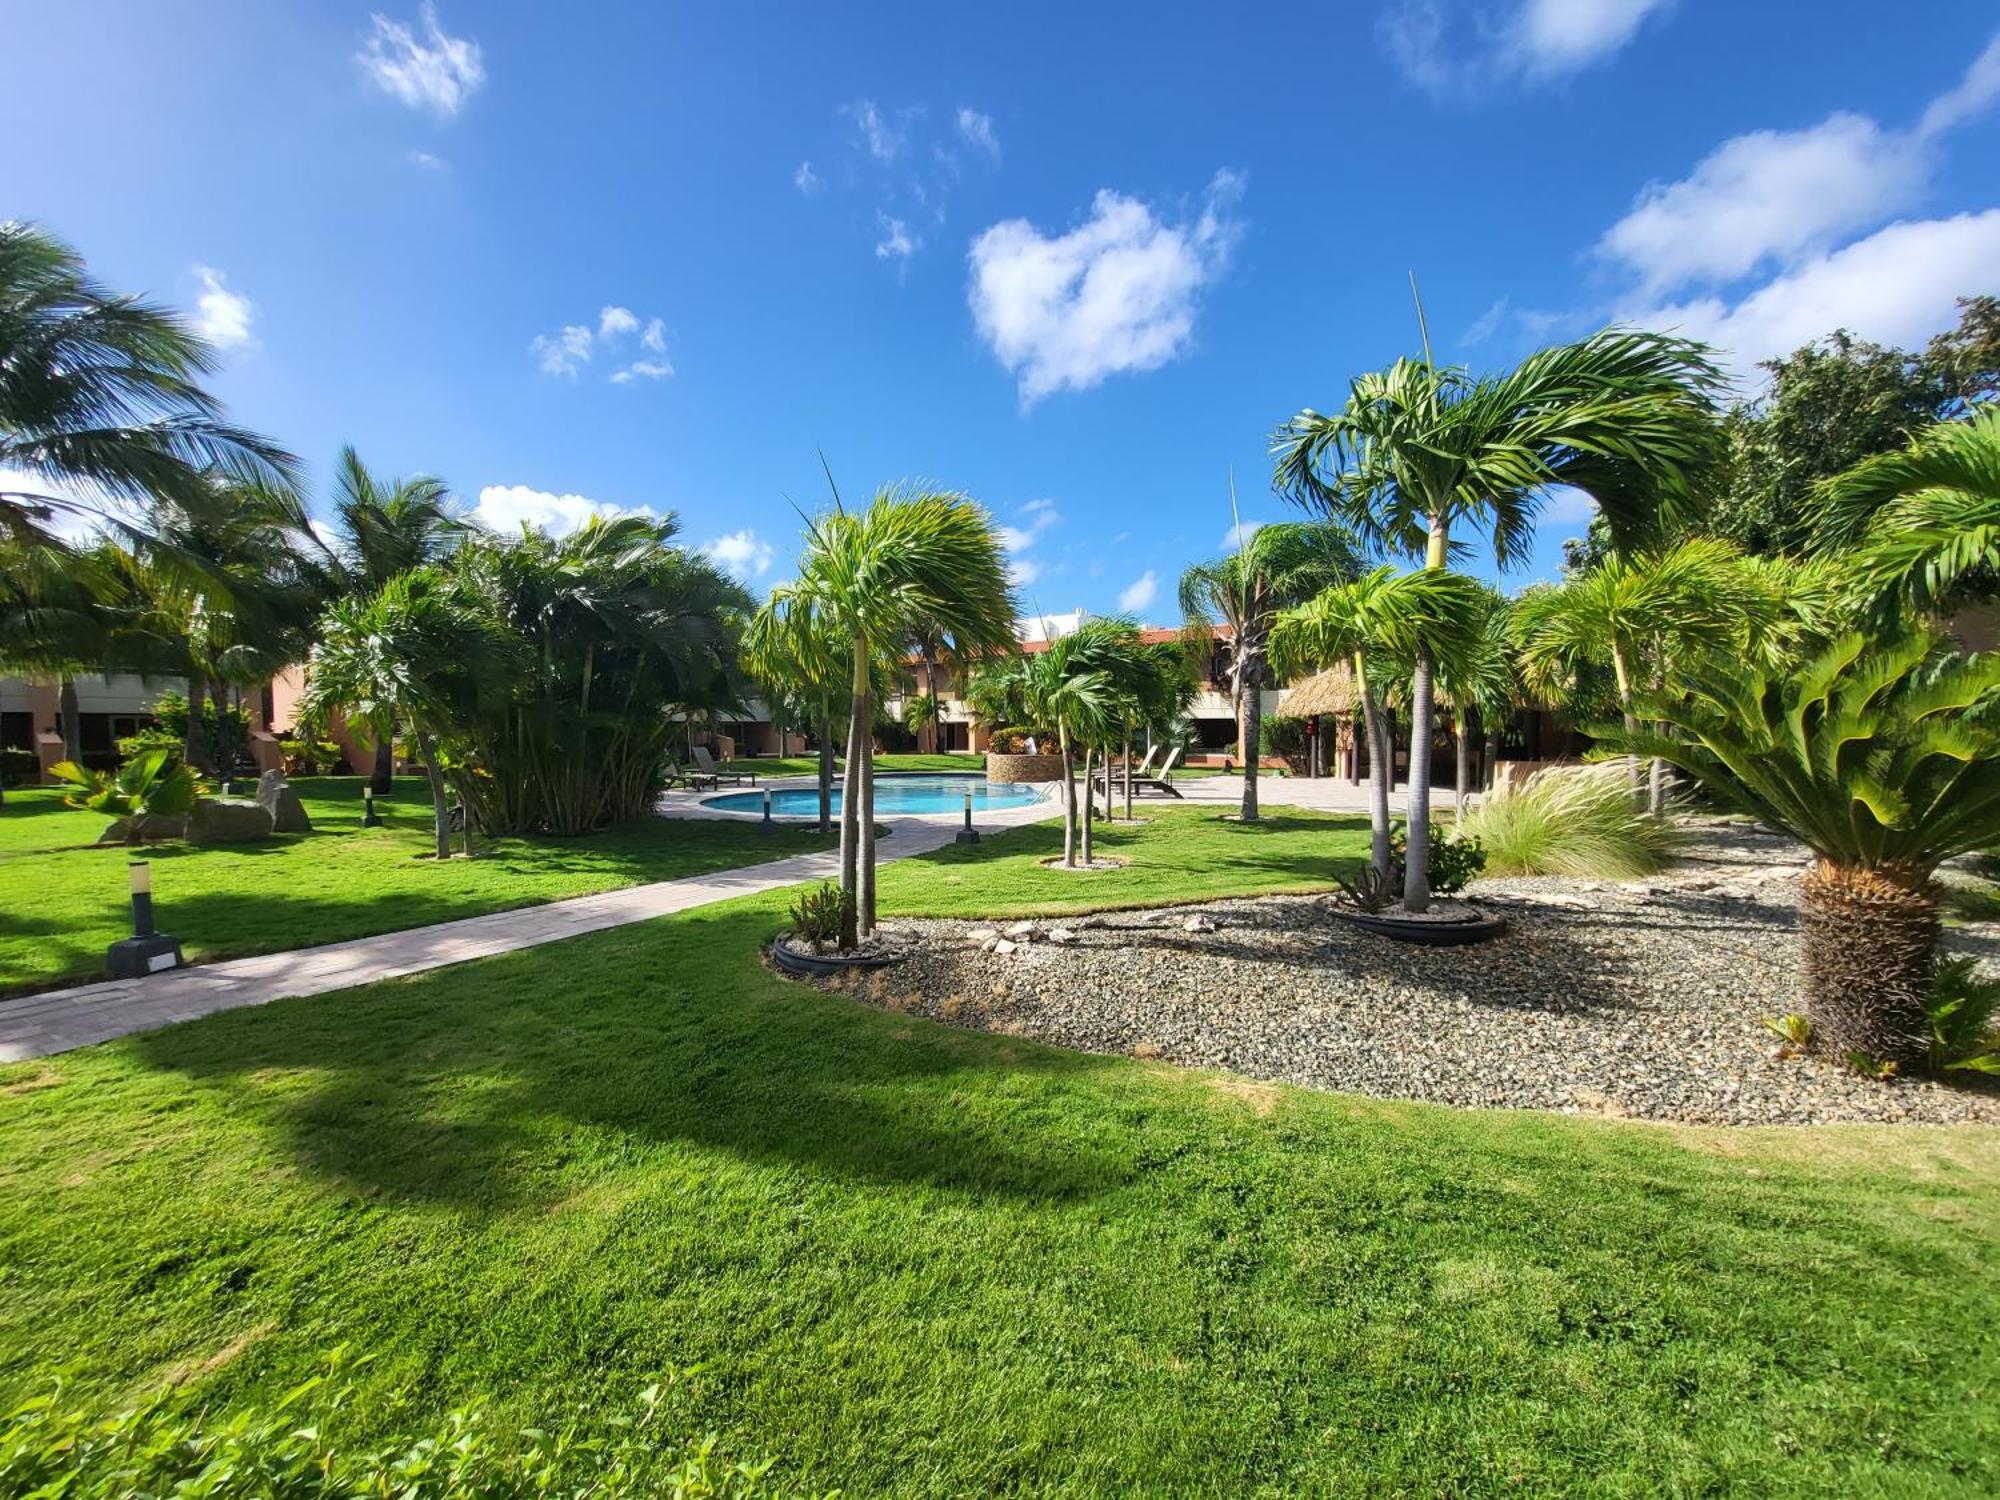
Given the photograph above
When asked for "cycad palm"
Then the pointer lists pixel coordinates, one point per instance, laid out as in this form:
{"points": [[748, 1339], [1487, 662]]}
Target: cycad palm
{"points": [[1880, 759], [99, 394], [913, 560], [1274, 568], [1419, 454]]}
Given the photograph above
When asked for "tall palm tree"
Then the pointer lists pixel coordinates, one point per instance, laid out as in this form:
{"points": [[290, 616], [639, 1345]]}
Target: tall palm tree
{"points": [[1481, 682], [1381, 617], [914, 559], [99, 395], [384, 527], [1272, 569], [1155, 683], [1639, 613], [1882, 759], [1922, 523], [1421, 454]]}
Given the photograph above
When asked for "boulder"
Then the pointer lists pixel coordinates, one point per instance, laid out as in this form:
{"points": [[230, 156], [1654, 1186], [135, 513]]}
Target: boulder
{"points": [[281, 799], [151, 828], [214, 821]]}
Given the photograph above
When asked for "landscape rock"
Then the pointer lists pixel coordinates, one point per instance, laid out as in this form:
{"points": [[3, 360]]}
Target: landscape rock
{"points": [[152, 827], [281, 799], [215, 821], [1198, 923], [1019, 930]]}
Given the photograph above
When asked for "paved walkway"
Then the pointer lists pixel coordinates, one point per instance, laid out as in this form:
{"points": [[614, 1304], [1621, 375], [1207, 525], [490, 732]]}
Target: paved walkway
{"points": [[59, 1020]]}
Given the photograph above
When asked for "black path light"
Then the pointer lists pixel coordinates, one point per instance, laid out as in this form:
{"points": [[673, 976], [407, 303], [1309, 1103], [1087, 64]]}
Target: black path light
{"points": [[968, 834], [145, 951], [767, 827], [369, 817]]}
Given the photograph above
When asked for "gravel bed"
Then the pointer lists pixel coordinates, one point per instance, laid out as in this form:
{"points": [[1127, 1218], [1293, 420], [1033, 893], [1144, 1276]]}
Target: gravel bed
{"points": [[1637, 998]]}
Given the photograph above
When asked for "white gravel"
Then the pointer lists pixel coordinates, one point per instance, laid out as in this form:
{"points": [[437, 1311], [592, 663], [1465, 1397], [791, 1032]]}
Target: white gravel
{"points": [[1622, 998]]}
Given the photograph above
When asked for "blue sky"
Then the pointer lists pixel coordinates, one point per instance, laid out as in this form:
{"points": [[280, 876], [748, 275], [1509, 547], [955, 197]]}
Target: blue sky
{"points": [[1078, 264]]}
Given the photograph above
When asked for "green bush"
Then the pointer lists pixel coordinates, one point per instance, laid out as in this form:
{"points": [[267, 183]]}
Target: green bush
{"points": [[152, 783], [172, 1447], [311, 757], [132, 746], [1963, 1008], [19, 767], [819, 915], [1571, 820], [225, 731], [1455, 858]]}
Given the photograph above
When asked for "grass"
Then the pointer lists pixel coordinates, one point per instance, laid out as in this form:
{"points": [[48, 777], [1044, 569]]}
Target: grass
{"points": [[66, 904], [1571, 820], [913, 1260]]}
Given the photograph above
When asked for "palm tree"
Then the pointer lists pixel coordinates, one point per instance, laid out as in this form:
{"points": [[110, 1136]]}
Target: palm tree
{"points": [[1084, 687], [99, 395], [1420, 453], [1481, 681], [795, 654], [1381, 617], [1639, 613], [1272, 569], [1882, 760], [1156, 684], [383, 528], [1922, 523], [913, 560], [421, 656]]}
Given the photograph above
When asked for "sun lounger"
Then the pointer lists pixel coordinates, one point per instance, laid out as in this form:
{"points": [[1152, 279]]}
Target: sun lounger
{"points": [[1161, 785], [705, 763]]}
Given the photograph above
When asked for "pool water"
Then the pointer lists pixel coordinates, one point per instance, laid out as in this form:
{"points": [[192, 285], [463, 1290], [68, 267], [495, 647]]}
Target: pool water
{"points": [[893, 795]]}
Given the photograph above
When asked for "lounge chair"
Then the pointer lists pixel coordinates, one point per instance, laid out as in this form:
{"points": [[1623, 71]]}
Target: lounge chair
{"points": [[705, 763], [1139, 772], [1162, 784]]}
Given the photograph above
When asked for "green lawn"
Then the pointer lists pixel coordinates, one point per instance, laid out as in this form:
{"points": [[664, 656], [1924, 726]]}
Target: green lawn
{"points": [[913, 1260], [65, 904]]}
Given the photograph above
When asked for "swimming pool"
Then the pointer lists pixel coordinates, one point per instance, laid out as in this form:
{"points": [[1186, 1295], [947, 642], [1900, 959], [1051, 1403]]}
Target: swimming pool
{"points": [[893, 795]]}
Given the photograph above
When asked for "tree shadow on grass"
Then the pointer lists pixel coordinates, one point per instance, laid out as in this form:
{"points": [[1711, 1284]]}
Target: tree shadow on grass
{"points": [[480, 1085]]}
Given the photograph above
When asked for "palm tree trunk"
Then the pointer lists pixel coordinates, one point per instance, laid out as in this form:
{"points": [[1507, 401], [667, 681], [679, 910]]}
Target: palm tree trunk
{"points": [[1364, 737], [1378, 775], [825, 767], [1492, 758], [1464, 769], [850, 804], [1128, 774], [1069, 798], [1870, 946], [1417, 856], [1622, 673], [867, 825], [1251, 716], [440, 813], [192, 749], [382, 780], [1090, 797]]}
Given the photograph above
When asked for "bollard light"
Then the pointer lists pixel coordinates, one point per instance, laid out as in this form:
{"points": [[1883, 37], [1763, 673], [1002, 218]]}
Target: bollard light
{"points": [[968, 834], [369, 817], [145, 951], [767, 827]]}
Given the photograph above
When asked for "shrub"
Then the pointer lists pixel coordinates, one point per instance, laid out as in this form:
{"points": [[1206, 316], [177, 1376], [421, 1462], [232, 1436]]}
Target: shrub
{"points": [[152, 784], [1455, 858], [225, 731], [1571, 820], [171, 1446], [819, 915], [132, 746], [311, 757], [1963, 1008]]}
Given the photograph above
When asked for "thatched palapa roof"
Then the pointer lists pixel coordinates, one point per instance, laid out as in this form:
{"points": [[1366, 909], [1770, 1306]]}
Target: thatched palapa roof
{"points": [[1329, 694]]}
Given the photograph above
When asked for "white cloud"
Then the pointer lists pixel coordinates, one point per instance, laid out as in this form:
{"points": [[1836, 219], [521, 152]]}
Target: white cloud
{"points": [[563, 353], [642, 369], [1767, 196], [1037, 516], [1239, 535], [1139, 593], [1023, 571], [566, 352], [438, 73], [1897, 286], [1119, 292], [1974, 94], [978, 129], [1461, 49], [896, 243], [1566, 505], [806, 180], [884, 140], [742, 553], [222, 316], [427, 161], [72, 525], [506, 508]]}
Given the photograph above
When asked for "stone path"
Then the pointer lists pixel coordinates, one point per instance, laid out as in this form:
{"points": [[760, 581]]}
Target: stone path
{"points": [[59, 1020]]}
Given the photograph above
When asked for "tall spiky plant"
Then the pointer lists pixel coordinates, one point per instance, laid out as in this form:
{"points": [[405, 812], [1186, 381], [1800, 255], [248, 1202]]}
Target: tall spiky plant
{"points": [[1880, 758], [914, 559], [1421, 453]]}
